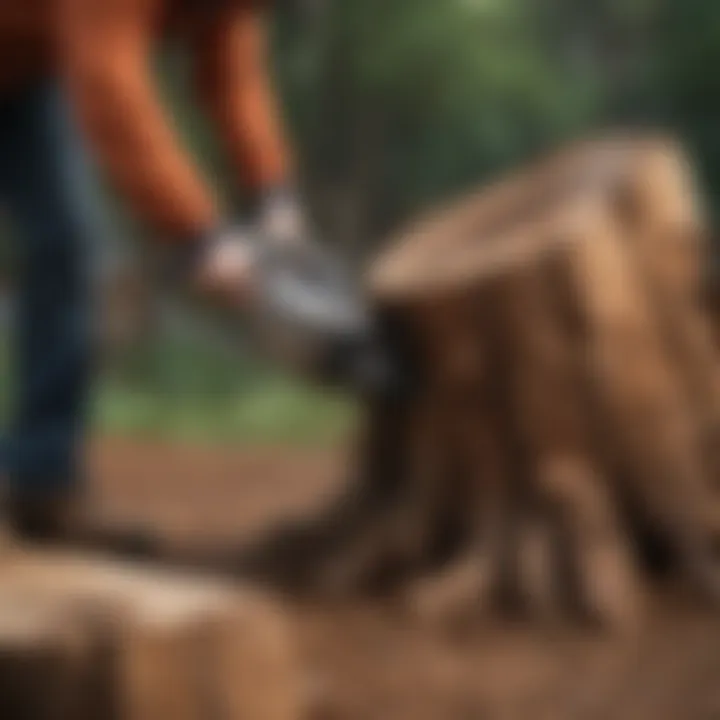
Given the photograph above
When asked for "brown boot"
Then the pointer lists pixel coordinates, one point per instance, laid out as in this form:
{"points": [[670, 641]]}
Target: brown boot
{"points": [[64, 518]]}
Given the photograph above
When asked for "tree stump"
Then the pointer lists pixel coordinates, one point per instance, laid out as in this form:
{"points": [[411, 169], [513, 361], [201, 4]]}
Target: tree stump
{"points": [[559, 438], [83, 640]]}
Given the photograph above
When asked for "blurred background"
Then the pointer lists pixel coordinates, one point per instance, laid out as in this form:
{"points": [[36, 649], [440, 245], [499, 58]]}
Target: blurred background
{"points": [[393, 106]]}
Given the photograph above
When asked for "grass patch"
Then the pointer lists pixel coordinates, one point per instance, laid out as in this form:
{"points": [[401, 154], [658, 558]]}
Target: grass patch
{"points": [[272, 411], [180, 390]]}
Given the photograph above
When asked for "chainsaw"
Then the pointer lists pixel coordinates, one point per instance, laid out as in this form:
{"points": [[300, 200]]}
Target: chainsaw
{"points": [[310, 317]]}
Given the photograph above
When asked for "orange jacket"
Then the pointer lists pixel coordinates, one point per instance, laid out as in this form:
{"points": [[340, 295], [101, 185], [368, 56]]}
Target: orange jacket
{"points": [[103, 48]]}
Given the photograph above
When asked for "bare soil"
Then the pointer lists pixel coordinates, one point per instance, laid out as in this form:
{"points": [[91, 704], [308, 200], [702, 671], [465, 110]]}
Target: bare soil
{"points": [[372, 659]]}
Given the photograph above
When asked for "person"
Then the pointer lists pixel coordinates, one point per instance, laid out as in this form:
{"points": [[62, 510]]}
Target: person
{"points": [[77, 73]]}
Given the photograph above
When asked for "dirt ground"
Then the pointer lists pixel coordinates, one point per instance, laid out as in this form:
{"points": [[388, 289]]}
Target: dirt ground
{"points": [[372, 660]]}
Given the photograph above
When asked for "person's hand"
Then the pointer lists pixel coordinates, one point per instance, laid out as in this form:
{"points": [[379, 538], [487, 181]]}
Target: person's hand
{"points": [[282, 220], [231, 263], [225, 267]]}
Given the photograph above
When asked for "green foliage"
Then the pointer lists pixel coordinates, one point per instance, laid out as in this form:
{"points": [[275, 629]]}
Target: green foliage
{"points": [[689, 51], [184, 390], [405, 102]]}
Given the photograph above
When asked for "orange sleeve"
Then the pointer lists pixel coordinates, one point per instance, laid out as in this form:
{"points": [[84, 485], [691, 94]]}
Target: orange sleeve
{"points": [[105, 50], [232, 76]]}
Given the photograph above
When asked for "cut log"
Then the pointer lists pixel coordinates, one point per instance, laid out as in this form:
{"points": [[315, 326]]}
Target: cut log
{"points": [[83, 640], [667, 227], [563, 414]]}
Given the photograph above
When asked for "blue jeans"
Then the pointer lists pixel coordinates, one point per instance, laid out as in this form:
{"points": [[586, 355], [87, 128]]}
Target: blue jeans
{"points": [[47, 188]]}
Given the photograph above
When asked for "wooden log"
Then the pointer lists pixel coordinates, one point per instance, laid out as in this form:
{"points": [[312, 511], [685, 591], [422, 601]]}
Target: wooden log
{"points": [[568, 491], [555, 492], [649, 427], [44, 658], [564, 396], [481, 574], [667, 227], [84, 639]]}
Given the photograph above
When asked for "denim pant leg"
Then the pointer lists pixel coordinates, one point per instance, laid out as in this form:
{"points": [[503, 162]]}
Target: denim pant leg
{"points": [[46, 183]]}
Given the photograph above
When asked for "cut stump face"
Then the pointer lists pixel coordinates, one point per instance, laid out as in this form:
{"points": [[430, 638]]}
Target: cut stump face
{"points": [[562, 432]]}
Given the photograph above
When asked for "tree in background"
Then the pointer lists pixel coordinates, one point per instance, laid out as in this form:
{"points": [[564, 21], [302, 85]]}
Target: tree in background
{"points": [[689, 42], [397, 104]]}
